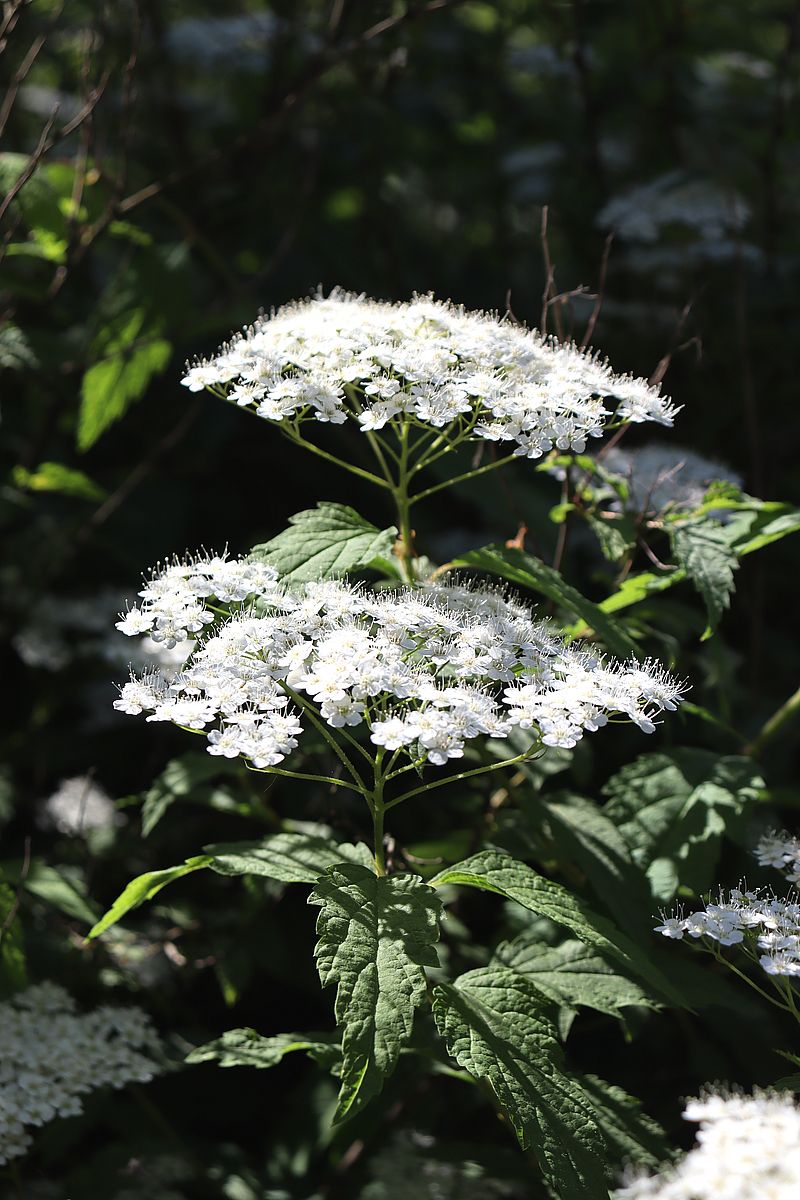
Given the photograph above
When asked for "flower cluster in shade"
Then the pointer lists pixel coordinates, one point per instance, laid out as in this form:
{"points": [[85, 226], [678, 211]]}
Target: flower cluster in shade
{"points": [[424, 668], [662, 476], [765, 925], [748, 1148], [52, 1056], [78, 806], [425, 362], [782, 851]]}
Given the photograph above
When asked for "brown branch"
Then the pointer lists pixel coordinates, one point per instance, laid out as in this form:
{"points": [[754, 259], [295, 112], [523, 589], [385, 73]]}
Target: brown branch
{"points": [[601, 288]]}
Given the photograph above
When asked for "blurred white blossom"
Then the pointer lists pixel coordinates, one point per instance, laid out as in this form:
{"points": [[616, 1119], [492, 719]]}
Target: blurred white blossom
{"points": [[52, 1056], [79, 805], [748, 1148]]}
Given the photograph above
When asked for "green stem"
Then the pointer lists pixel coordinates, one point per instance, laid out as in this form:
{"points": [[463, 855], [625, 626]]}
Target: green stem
{"points": [[750, 983], [322, 728], [775, 724], [339, 783], [299, 440], [378, 809], [405, 541], [438, 487], [484, 770]]}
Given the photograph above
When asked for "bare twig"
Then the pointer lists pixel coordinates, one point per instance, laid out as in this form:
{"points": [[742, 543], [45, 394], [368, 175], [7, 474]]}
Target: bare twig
{"points": [[601, 287]]}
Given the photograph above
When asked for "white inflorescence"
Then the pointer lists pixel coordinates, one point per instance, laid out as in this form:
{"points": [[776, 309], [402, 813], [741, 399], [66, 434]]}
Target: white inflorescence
{"points": [[427, 362], [52, 1056], [782, 851], [764, 925], [748, 1148], [767, 927], [424, 668], [78, 806], [661, 476]]}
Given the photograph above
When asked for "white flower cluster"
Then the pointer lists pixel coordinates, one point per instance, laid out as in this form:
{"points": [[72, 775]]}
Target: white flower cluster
{"points": [[758, 920], [642, 213], [781, 851], [79, 805], [52, 1056], [748, 1148], [661, 476], [425, 668], [426, 362]]}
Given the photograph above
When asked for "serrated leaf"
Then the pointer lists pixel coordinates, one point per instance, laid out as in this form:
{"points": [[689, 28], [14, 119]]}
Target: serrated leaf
{"points": [[584, 835], [246, 1048], [495, 1025], [629, 1132], [702, 550], [323, 542], [494, 871], [143, 888], [288, 857], [673, 809], [518, 567], [615, 537], [55, 477], [572, 975], [12, 953], [129, 355], [376, 934]]}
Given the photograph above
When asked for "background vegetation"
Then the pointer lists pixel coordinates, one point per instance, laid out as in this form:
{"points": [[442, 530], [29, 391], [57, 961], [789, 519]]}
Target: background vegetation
{"points": [[168, 171]]}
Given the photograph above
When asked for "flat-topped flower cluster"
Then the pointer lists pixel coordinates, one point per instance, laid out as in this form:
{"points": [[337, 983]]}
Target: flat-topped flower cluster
{"points": [[757, 920], [766, 926], [424, 668], [427, 362], [52, 1056], [748, 1148]]}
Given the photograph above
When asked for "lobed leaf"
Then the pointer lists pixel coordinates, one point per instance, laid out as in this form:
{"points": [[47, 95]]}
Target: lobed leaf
{"points": [[495, 1025], [288, 857], [702, 550], [323, 542], [673, 809], [494, 871], [376, 934], [572, 975]]}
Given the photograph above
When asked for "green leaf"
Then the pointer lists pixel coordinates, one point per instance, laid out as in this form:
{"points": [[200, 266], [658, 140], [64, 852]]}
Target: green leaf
{"points": [[12, 953], [325, 541], [702, 550], [143, 888], [572, 975], [527, 571], [584, 835], [246, 1048], [493, 871], [288, 857], [181, 777], [495, 1025], [773, 523], [615, 537], [55, 477], [129, 356], [376, 934], [631, 1135], [673, 809], [63, 887]]}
